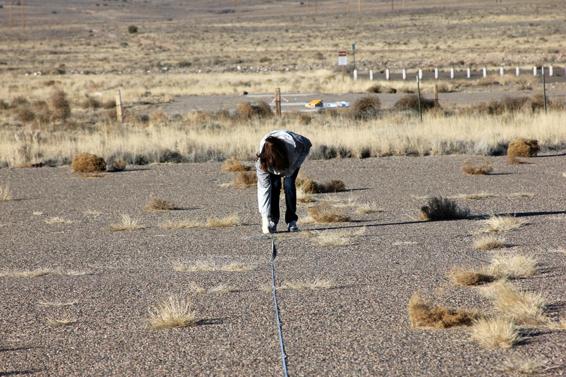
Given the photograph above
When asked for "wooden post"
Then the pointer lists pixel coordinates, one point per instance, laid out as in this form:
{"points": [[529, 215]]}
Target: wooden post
{"points": [[436, 94], [544, 91], [119, 107], [355, 74], [419, 96], [278, 102]]}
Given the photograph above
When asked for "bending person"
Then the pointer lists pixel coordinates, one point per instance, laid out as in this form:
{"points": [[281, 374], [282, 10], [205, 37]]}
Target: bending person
{"points": [[281, 154]]}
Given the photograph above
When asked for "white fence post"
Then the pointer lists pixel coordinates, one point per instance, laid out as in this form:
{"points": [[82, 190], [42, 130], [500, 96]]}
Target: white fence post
{"points": [[355, 74], [517, 71], [387, 74], [484, 72], [370, 75], [420, 74], [468, 73], [451, 73], [534, 71], [436, 73], [501, 71], [542, 70], [404, 74], [550, 71]]}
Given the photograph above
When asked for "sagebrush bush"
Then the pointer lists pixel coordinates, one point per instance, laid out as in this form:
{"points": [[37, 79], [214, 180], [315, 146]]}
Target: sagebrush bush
{"points": [[479, 168], [132, 29], [522, 148], [366, 107], [439, 208], [411, 102], [247, 110], [59, 105], [423, 315], [244, 179], [88, 163], [310, 186]]}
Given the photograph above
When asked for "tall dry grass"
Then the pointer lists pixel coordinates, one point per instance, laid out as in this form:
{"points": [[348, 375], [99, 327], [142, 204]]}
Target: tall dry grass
{"points": [[392, 135]]}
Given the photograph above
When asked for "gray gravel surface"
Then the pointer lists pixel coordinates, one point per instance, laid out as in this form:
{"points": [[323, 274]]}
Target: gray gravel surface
{"points": [[358, 328]]}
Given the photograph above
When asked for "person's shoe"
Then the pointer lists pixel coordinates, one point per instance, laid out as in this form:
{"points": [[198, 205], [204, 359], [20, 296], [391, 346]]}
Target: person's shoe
{"points": [[268, 226], [292, 227]]}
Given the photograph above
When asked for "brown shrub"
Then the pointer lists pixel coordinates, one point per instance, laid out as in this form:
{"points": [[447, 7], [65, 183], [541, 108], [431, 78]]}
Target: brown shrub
{"points": [[233, 165], [312, 187], [324, 213], [247, 110], [59, 105], [117, 165], [481, 168], [244, 179], [466, 277], [422, 315], [25, 114], [19, 101], [366, 107], [109, 104], [375, 88], [522, 148], [439, 208], [91, 103], [41, 110], [156, 204], [88, 163], [411, 102]]}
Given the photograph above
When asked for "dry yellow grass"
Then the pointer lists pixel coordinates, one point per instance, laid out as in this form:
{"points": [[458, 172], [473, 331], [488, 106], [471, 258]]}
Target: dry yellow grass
{"points": [[205, 266], [423, 315], [325, 213], [5, 193], [489, 242], [475, 196], [156, 204], [244, 179], [524, 365], [368, 208], [221, 288], [512, 266], [300, 285], [59, 322], [57, 220], [336, 238], [172, 312], [127, 224], [464, 277], [495, 333], [499, 224], [524, 308], [233, 165], [88, 163], [222, 222], [481, 168], [304, 197]]}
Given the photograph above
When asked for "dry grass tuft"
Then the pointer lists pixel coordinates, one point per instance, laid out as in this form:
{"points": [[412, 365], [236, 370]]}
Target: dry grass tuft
{"points": [[172, 312], [303, 197], [203, 266], [245, 179], [325, 213], [368, 208], [5, 193], [88, 163], [495, 333], [489, 242], [57, 220], [439, 208], [61, 322], [156, 204], [233, 165], [468, 277], [180, 224], [312, 187], [521, 148], [422, 315], [475, 196], [303, 285], [524, 365], [247, 110], [221, 288], [499, 224], [525, 308], [481, 168], [411, 102], [127, 224], [222, 222], [513, 267]]}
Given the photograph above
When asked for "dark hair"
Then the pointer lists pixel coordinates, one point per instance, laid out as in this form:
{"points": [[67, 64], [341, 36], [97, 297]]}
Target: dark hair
{"points": [[273, 155]]}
